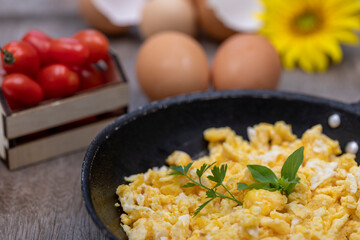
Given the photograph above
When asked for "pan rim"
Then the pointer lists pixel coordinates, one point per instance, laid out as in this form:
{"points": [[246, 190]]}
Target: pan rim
{"points": [[183, 99]]}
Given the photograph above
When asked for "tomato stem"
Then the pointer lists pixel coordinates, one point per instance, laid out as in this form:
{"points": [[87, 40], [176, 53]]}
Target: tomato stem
{"points": [[8, 56]]}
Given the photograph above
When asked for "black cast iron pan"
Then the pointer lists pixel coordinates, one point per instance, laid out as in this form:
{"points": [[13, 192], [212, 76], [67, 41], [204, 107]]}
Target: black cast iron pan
{"points": [[144, 138]]}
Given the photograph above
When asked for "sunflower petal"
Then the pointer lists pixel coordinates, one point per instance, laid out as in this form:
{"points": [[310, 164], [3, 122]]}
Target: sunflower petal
{"points": [[346, 37], [348, 9], [333, 49], [291, 57], [305, 59], [321, 61], [305, 64], [348, 23]]}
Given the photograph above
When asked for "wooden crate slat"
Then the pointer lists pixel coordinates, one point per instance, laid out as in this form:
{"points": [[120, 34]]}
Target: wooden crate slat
{"points": [[67, 110], [48, 147], [4, 143]]}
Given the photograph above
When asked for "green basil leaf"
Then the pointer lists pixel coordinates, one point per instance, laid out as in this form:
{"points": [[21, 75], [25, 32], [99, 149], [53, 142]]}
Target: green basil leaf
{"points": [[292, 164], [262, 174], [259, 186], [296, 180], [290, 188], [283, 183], [272, 189], [241, 186]]}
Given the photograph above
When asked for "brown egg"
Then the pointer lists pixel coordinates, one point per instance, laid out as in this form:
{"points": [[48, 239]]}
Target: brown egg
{"points": [[98, 20], [211, 25], [246, 61], [163, 15], [171, 63]]}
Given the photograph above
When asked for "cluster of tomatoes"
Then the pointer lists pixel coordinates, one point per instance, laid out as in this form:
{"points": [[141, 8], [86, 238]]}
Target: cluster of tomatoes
{"points": [[40, 68]]}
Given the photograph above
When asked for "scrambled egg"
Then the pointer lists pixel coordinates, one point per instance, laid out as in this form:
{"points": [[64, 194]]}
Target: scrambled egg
{"points": [[324, 205]]}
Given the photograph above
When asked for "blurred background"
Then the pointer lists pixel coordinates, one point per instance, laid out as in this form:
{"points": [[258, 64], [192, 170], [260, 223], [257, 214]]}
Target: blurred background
{"points": [[39, 8], [60, 18]]}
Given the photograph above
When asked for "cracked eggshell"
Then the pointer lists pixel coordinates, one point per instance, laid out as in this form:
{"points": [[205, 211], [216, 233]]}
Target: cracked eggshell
{"points": [[111, 16], [209, 22], [168, 15], [238, 15], [121, 12]]}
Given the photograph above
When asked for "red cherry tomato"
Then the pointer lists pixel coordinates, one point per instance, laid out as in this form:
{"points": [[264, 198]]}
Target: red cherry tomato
{"points": [[19, 90], [27, 60], [69, 51], [96, 42], [111, 72], [90, 77], [58, 81], [14, 105], [41, 42]]}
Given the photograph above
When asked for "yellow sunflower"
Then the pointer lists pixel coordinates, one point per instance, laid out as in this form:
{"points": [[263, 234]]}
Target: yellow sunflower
{"points": [[308, 33]]}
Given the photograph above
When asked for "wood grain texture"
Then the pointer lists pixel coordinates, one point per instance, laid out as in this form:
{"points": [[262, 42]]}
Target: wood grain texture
{"points": [[55, 145], [44, 201]]}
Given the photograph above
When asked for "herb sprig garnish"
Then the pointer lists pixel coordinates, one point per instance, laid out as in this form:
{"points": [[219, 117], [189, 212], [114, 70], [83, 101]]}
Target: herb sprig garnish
{"points": [[266, 178], [218, 175], [269, 181]]}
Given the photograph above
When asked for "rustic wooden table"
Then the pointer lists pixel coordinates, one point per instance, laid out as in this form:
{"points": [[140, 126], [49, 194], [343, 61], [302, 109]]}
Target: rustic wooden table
{"points": [[44, 201]]}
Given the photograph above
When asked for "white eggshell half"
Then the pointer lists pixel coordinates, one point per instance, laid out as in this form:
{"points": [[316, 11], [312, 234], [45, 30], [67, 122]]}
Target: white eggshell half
{"points": [[121, 12], [239, 15]]}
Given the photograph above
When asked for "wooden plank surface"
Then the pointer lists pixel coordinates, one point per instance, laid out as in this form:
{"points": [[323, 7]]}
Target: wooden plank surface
{"points": [[44, 201], [48, 147]]}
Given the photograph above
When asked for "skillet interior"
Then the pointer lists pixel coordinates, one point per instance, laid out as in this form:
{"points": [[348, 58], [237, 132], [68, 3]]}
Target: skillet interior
{"points": [[144, 138]]}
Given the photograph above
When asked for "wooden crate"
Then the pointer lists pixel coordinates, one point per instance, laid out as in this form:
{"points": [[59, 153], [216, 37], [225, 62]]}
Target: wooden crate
{"points": [[57, 127]]}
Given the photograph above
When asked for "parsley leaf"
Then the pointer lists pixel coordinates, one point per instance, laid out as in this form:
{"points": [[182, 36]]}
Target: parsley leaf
{"points": [[202, 206], [189, 185], [203, 169], [187, 167], [177, 170], [211, 193], [218, 176]]}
